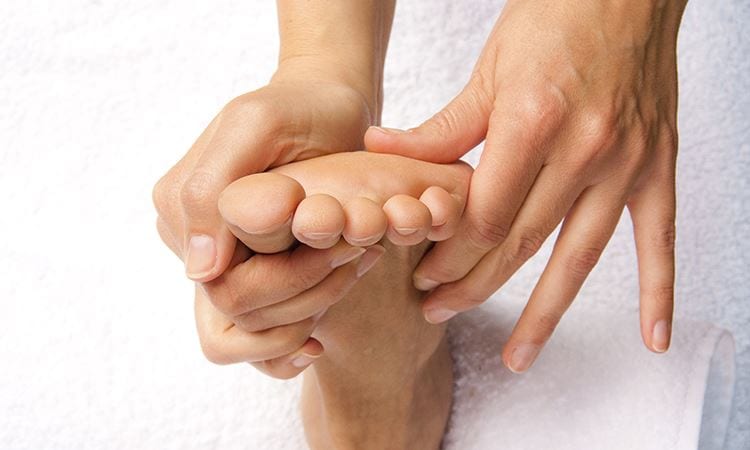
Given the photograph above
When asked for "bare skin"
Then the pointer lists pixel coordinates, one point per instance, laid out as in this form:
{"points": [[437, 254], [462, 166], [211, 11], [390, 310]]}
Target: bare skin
{"points": [[383, 366]]}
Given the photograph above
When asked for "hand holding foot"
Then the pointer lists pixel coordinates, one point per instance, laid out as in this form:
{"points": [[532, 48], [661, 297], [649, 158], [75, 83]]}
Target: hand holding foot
{"points": [[268, 202]]}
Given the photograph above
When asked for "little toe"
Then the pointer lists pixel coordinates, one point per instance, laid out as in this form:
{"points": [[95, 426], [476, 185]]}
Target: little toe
{"points": [[259, 208], [445, 210], [319, 221], [366, 222], [409, 220]]}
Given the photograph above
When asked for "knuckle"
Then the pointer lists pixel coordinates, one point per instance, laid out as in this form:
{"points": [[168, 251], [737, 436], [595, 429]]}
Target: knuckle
{"points": [[197, 192], [662, 297], [599, 134], [212, 349], [664, 237], [526, 245], [225, 297], [162, 193], [485, 233], [303, 279], [252, 321], [475, 299], [546, 322], [582, 261], [248, 108], [446, 122], [542, 109], [291, 337]]}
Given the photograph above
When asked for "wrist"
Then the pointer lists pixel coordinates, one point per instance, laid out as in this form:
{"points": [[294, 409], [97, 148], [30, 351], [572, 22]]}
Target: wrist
{"points": [[340, 41], [312, 69]]}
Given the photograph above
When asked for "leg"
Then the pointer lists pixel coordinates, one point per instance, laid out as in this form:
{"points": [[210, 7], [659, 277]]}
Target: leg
{"points": [[383, 365], [385, 379]]}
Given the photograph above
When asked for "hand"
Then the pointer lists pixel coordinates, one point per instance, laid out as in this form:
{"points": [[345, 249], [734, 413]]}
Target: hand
{"points": [[325, 93], [577, 101], [284, 121], [230, 333]]}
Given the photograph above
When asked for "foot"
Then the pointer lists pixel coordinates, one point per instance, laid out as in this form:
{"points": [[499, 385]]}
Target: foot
{"points": [[359, 196], [385, 378]]}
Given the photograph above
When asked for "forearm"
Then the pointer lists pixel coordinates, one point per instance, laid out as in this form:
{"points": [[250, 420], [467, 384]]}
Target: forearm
{"points": [[341, 40]]}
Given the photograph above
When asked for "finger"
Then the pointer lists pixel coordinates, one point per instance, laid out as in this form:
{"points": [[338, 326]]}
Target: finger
{"points": [[291, 365], [166, 192], [447, 135], [445, 210], [264, 280], [366, 222], [548, 202], [307, 304], [508, 167], [223, 343], [319, 221], [233, 151], [652, 210], [166, 236], [258, 209], [585, 232], [409, 220]]}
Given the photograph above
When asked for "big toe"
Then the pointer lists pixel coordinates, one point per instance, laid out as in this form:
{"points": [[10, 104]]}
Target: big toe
{"points": [[259, 208]]}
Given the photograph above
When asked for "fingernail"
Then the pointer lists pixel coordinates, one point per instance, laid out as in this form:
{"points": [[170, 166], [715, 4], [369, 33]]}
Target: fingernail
{"points": [[304, 360], [316, 318], [271, 229], [317, 236], [368, 259], [522, 357], [660, 336], [387, 130], [439, 315], [201, 256], [347, 256], [425, 284], [406, 231]]}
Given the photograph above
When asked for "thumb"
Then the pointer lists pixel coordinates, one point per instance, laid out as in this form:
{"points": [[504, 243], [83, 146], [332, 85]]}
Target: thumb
{"points": [[444, 137]]}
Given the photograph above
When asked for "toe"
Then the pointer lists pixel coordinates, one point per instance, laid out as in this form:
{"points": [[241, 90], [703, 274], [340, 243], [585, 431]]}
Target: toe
{"points": [[258, 209], [366, 222], [409, 220], [445, 210], [319, 221]]}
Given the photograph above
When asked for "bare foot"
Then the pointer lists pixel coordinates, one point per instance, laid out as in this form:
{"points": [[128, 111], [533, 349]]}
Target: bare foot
{"points": [[385, 378], [359, 196]]}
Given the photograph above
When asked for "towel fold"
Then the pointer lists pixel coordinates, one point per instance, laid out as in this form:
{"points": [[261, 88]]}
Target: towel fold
{"points": [[594, 386]]}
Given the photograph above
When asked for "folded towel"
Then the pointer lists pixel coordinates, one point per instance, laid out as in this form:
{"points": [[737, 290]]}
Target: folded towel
{"points": [[595, 386]]}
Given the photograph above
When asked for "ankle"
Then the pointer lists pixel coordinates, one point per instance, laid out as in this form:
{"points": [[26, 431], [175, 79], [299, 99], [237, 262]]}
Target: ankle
{"points": [[404, 408]]}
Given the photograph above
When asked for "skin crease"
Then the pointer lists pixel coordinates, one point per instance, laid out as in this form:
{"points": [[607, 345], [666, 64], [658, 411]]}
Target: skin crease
{"points": [[577, 102]]}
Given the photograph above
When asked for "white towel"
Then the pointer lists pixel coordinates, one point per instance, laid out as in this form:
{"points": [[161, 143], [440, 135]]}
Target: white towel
{"points": [[594, 386]]}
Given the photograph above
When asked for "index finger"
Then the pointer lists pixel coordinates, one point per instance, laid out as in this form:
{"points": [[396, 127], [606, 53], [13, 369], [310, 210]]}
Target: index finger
{"points": [[511, 160]]}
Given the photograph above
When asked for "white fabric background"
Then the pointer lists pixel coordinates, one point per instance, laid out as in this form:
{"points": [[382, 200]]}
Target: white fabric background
{"points": [[97, 99]]}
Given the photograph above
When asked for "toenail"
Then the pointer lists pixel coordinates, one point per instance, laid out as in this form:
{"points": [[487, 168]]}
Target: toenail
{"points": [[403, 231], [439, 315], [317, 236], [364, 242], [271, 229]]}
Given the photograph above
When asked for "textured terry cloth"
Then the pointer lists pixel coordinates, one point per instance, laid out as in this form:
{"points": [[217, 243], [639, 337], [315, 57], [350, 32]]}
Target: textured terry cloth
{"points": [[594, 386]]}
